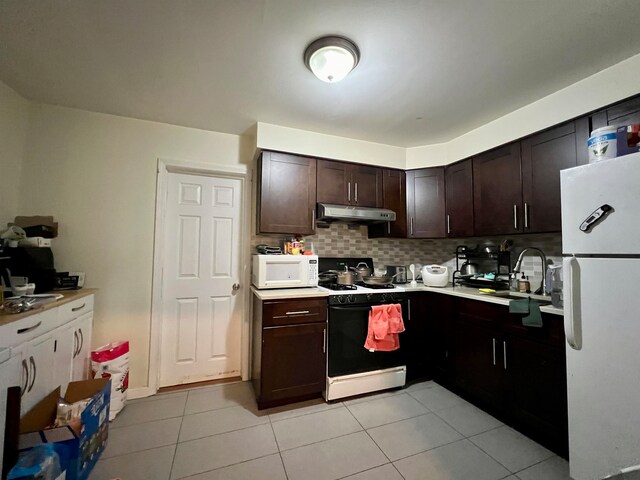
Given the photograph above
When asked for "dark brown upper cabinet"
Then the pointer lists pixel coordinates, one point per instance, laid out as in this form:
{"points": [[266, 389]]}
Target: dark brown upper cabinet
{"points": [[394, 197], [623, 113], [344, 183], [543, 156], [287, 194], [425, 203], [497, 191], [459, 193]]}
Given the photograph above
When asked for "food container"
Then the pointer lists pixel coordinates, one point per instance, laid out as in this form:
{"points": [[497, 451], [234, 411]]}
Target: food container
{"points": [[602, 144], [435, 275]]}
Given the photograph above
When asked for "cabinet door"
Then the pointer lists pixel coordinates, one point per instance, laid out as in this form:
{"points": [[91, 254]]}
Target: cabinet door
{"points": [[543, 157], [536, 393], [440, 316], [459, 187], [293, 361], [367, 186], [497, 191], [82, 359], [477, 363], [334, 183], [39, 360], [394, 197], [287, 195], [624, 113], [425, 203], [9, 377], [66, 345]]}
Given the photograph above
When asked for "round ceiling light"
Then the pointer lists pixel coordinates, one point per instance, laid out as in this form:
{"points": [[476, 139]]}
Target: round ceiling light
{"points": [[331, 58]]}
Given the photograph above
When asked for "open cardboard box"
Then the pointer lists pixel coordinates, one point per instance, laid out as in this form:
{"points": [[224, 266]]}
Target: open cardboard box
{"points": [[78, 452]]}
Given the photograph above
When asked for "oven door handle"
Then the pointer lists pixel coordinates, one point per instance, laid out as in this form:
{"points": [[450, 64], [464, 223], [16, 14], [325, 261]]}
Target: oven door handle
{"points": [[367, 308]]}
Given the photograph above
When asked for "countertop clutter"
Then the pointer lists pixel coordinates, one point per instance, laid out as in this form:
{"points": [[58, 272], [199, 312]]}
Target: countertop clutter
{"points": [[457, 291], [69, 296]]}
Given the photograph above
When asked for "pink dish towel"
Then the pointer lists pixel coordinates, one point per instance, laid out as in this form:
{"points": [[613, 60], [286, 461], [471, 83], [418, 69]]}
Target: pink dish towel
{"points": [[385, 323]]}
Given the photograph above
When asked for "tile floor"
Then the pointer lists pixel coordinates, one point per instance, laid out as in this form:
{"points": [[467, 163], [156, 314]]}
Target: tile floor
{"points": [[420, 432]]}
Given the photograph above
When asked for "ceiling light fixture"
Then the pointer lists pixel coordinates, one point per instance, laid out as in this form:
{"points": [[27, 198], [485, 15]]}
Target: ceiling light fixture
{"points": [[331, 58]]}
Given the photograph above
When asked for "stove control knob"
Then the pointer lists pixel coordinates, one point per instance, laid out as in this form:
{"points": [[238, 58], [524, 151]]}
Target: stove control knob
{"points": [[341, 299], [369, 297], [351, 299], [383, 297]]}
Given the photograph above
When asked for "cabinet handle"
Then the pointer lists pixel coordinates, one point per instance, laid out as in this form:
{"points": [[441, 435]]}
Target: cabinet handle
{"points": [[355, 188], [81, 340], [411, 225], [448, 224], [515, 217], [75, 343], [526, 215], [348, 192], [494, 351], [313, 219], [299, 312], [504, 353], [28, 329], [35, 372], [23, 389], [389, 228], [409, 309], [78, 308], [324, 340]]}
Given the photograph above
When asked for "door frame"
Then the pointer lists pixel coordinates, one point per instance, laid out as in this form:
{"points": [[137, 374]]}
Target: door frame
{"points": [[239, 172]]}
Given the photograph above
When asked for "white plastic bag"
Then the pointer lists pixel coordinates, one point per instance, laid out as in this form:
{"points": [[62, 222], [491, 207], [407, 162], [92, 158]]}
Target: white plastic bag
{"points": [[112, 361]]}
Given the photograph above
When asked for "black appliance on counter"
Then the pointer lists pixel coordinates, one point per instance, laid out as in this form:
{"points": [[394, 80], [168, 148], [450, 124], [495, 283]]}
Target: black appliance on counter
{"points": [[351, 368], [36, 263]]}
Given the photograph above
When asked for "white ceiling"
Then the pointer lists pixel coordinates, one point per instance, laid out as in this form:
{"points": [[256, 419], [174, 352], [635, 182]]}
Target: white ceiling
{"points": [[430, 69]]}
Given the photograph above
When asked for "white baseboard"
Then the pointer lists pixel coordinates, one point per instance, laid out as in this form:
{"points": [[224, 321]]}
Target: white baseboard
{"points": [[140, 392]]}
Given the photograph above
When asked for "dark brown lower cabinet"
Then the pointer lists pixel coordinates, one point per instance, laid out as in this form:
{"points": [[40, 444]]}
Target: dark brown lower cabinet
{"points": [[289, 350], [514, 372]]}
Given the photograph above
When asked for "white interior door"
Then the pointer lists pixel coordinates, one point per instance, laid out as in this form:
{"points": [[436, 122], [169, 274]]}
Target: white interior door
{"points": [[201, 321]]}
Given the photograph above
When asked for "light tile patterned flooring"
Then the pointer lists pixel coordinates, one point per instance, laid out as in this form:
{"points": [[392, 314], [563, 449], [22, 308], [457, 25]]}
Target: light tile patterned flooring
{"points": [[420, 432]]}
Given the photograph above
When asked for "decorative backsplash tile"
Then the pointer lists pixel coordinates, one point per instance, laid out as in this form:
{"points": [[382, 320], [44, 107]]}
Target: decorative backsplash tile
{"points": [[342, 240]]}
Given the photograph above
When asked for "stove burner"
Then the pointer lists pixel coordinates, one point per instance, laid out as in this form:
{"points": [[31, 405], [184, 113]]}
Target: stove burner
{"points": [[335, 286], [376, 287]]}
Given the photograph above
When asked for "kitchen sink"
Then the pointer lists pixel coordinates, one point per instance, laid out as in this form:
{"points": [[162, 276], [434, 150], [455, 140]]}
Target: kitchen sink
{"points": [[513, 296]]}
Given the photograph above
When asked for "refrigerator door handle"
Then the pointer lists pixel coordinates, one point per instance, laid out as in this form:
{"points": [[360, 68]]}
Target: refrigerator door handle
{"points": [[572, 320]]}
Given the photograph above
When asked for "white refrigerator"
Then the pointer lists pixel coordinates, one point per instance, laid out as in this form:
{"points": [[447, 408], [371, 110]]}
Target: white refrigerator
{"points": [[601, 290]]}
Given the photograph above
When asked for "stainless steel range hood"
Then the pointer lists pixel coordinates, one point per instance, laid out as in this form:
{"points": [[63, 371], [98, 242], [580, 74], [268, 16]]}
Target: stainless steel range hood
{"points": [[339, 213]]}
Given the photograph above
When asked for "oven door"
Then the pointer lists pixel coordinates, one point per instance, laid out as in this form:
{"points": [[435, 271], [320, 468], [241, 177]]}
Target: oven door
{"points": [[348, 327]]}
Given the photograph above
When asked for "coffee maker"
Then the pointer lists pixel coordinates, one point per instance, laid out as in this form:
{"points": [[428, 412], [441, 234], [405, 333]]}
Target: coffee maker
{"points": [[35, 263]]}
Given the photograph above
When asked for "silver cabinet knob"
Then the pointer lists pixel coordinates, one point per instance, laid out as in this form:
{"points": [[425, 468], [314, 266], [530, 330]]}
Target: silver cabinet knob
{"points": [[236, 287]]}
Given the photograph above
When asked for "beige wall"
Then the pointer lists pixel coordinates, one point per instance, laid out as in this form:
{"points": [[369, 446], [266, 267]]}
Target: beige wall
{"points": [[285, 139], [608, 86], [96, 174], [14, 118]]}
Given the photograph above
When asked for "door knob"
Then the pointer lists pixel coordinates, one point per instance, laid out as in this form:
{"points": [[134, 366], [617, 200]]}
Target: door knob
{"points": [[236, 287]]}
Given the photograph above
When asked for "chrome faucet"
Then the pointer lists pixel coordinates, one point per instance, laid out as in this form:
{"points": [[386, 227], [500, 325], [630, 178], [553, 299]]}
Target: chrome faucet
{"points": [[543, 257]]}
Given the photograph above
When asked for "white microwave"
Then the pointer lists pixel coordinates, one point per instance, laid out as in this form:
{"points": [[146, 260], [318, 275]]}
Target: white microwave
{"points": [[284, 271]]}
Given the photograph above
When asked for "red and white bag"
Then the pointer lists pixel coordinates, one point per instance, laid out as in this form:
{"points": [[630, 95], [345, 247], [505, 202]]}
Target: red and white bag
{"points": [[112, 361]]}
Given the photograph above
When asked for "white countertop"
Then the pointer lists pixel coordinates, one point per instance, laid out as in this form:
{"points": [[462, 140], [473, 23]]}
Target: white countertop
{"points": [[280, 293], [458, 291]]}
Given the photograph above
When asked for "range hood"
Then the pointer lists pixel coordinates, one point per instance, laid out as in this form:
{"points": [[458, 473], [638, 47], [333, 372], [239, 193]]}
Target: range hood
{"points": [[339, 213]]}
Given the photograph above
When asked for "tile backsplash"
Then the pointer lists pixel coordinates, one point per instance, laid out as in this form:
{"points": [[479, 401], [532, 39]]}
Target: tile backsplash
{"points": [[342, 240]]}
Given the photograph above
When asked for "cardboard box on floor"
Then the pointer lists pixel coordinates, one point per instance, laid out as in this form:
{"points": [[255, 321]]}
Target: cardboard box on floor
{"points": [[78, 453]]}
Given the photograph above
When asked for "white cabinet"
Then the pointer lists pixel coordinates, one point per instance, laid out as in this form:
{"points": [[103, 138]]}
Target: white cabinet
{"points": [[50, 348], [37, 370], [82, 355], [9, 377]]}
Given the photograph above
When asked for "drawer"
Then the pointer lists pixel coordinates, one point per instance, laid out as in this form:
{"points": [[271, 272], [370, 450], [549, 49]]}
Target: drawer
{"points": [[28, 328], [72, 310], [290, 312]]}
